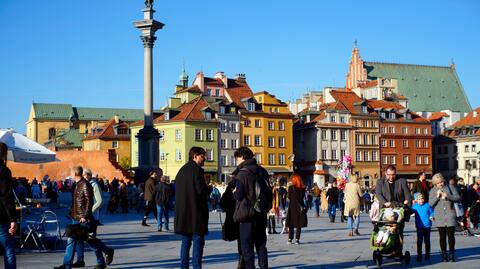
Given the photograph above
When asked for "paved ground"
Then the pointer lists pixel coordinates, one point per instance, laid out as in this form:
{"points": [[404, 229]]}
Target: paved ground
{"points": [[324, 245]]}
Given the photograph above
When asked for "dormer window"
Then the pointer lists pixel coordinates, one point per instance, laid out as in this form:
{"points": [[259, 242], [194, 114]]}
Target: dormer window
{"points": [[251, 106], [392, 116], [333, 118], [383, 115], [208, 115], [209, 92], [222, 110], [167, 116], [364, 109], [217, 92], [408, 116]]}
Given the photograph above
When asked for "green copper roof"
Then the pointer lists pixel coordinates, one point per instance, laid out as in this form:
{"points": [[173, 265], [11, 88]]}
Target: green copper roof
{"points": [[428, 88], [67, 138], [52, 111], [65, 111]]}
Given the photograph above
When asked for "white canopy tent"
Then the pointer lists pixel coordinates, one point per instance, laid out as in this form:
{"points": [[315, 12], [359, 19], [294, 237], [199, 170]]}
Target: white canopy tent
{"points": [[23, 150]]}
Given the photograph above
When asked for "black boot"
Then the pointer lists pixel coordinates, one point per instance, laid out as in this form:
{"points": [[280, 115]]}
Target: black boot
{"points": [[419, 256], [144, 222], [444, 256], [452, 256], [333, 219], [427, 252], [241, 263]]}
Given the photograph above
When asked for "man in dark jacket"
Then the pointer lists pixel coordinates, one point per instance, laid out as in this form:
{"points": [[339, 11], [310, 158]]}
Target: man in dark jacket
{"points": [[332, 199], [163, 193], [421, 186], [8, 216], [252, 231], [81, 213], [393, 192], [149, 194], [191, 207]]}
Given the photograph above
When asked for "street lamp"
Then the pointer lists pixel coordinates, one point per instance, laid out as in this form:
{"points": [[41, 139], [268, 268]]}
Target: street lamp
{"points": [[166, 163]]}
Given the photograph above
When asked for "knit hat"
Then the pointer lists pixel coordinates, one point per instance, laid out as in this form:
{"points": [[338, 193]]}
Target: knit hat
{"points": [[437, 178], [418, 195]]}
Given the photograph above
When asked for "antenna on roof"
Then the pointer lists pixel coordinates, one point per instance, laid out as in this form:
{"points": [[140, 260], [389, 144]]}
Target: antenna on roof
{"points": [[355, 43], [452, 63]]}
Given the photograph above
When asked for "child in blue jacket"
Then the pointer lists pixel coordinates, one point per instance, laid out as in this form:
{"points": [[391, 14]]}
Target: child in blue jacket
{"points": [[423, 221]]}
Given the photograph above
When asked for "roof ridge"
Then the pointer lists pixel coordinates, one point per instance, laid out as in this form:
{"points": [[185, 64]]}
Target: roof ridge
{"points": [[195, 103], [417, 65]]}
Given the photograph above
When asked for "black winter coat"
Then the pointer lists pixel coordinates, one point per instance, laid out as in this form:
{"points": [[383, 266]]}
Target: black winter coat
{"points": [[191, 200], [231, 230], [149, 194], [296, 216], [7, 199]]}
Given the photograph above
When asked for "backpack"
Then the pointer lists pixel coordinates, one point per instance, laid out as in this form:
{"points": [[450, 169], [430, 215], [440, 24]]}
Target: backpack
{"points": [[262, 202]]}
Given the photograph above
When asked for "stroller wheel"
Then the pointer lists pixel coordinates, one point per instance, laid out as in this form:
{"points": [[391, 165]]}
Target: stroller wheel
{"points": [[407, 257]]}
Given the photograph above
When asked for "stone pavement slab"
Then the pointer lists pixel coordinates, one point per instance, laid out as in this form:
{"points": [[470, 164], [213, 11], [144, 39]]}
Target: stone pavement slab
{"points": [[323, 245]]}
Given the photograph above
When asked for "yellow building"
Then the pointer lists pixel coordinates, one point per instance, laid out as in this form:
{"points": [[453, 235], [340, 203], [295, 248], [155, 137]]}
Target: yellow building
{"points": [[45, 121], [267, 129], [113, 136]]}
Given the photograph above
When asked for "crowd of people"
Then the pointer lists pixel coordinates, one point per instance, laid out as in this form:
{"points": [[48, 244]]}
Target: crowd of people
{"points": [[255, 205]]}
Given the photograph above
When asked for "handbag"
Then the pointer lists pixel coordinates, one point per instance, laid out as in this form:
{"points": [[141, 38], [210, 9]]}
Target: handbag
{"points": [[77, 231], [459, 212]]}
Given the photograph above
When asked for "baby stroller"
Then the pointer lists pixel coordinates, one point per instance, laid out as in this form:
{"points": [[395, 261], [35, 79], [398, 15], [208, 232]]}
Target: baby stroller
{"points": [[392, 247], [473, 214]]}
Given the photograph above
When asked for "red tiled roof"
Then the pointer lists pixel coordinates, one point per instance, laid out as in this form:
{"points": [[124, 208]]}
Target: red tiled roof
{"points": [[437, 116], [396, 107], [194, 89], [469, 119], [347, 99], [236, 91], [213, 81], [367, 83], [108, 131], [401, 97]]}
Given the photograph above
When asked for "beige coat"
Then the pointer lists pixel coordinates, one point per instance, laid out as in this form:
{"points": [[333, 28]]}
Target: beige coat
{"points": [[353, 199]]}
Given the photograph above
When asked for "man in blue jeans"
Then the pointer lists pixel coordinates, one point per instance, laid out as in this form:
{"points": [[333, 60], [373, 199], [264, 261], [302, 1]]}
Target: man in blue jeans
{"points": [[81, 212], [192, 191], [332, 198], [8, 218]]}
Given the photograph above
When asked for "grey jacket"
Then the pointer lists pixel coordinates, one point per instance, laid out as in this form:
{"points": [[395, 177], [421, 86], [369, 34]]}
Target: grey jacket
{"points": [[444, 211]]}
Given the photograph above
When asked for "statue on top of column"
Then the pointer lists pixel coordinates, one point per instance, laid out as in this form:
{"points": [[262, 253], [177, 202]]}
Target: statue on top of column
{"points": [[148, 3]]}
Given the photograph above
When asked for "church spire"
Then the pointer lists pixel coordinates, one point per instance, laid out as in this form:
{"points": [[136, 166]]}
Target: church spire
{"points": [[184, 78]]}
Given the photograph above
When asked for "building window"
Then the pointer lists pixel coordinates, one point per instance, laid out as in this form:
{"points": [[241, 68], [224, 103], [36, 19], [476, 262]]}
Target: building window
{"points": [[222, 110], [333, 118], [233, 127], [223, 126], [258, 157], [383, 130], [364, 109], [333, 134], [357, 139], [271, 159], [374, 124], [52, 133], [425, 144], [392, 143], [223, 143], [374, 155], [271, 141], [342, 154], [406, 159], [418, 160], [178, 155], [342, 119], [246, 140], [405, 143], [417, 130], [217, 92], [281, 126], [365, 156], [425, 160], [334, 154], [198, 134], [392, 116], [281, 141], [404, 130], [374, 139], [324, 154], [233, 161], [161, 135], [115, 144], [365, 123], [474, 148], [384, 143], [467, 148], [391, 130], [343, 135], [271, 125], [178, 134], [162, 156], [258, 140], [209, 155], [234, 143], [392, 159], [365, 139], [425, 131], [383, 115], [246, 123], [417, 143], [358, 155], [281, 159], [357, 123], [384, 160], [324, 134], [223, 160], [251, 106], [209, 134], [258, 124]]}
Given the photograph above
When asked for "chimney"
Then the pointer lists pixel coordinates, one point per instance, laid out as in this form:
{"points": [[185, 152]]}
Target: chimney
{"points": [[116, 118], [221, 75], [475, 113], [240, 78], [200, 81]]}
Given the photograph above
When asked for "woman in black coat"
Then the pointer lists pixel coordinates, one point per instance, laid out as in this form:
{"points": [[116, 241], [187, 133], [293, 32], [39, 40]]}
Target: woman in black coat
{"points": [[297, 211]]}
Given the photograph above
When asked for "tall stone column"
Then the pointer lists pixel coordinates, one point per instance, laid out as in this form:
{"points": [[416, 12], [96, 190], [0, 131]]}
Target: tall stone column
{"points": [[148, 136]]}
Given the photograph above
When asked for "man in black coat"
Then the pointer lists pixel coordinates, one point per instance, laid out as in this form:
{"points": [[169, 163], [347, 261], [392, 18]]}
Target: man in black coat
{"points": [[149, 195], [191, 207], [332, 198], [163, 194], [393, 192], [252, 231]]}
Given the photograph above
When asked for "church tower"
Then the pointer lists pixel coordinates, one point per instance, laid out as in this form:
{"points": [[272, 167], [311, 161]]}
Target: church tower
{"points": [[356, 71], [184, 79]]}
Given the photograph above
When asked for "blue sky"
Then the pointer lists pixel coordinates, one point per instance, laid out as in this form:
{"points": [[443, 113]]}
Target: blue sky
{"points": [[87, 52]]}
